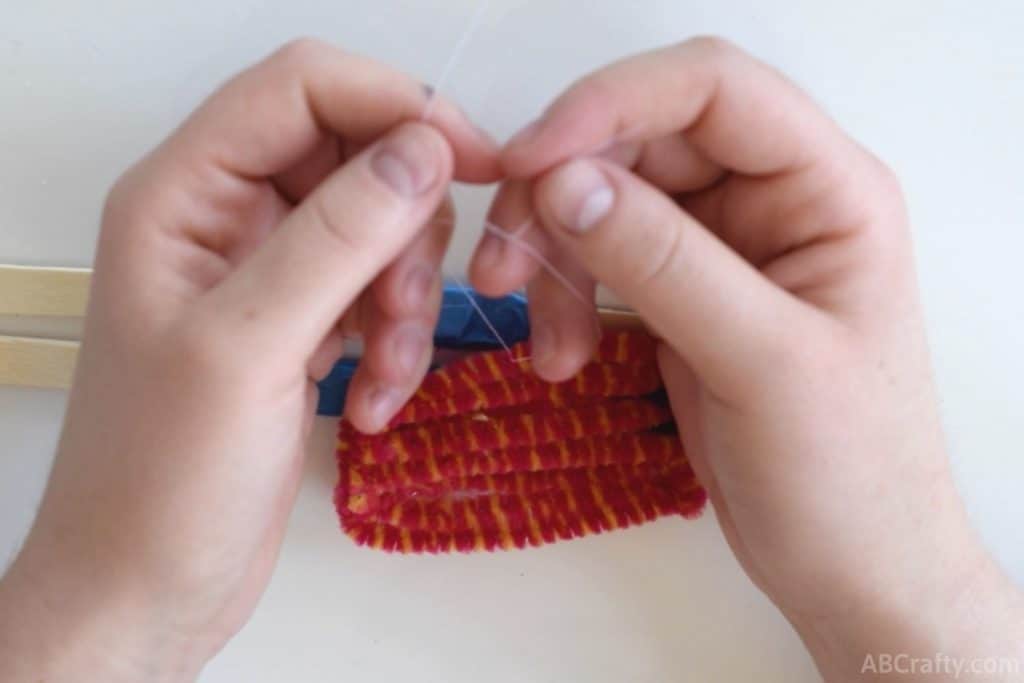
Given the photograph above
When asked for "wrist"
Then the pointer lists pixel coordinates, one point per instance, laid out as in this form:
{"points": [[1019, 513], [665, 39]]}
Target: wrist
{"points": [[971, 615], [56, 624]]}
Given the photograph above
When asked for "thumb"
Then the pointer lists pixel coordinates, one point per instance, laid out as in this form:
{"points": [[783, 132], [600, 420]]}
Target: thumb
{"points": [[299, 282], [729, 323]]}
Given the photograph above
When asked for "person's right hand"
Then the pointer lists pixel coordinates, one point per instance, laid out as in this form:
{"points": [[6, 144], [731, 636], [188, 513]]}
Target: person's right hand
{"points": [[772, 255]]}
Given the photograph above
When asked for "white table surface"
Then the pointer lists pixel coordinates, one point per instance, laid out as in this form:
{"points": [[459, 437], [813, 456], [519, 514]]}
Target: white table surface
{"points": [[936, 88]]}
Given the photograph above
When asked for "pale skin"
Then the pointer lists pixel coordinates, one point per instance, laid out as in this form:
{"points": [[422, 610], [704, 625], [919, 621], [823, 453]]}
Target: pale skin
{"points": [[306, 200]]}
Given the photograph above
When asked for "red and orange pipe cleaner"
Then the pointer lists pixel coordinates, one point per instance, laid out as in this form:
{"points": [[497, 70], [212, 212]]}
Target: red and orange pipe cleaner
{"points": [[487, 456]]}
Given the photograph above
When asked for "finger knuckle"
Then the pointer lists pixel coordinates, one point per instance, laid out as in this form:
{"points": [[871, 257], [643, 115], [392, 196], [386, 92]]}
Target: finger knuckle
{"points": [[120, 194], [593, 92], [886, 225], [125, 202], [302, 52], [888, 180], [711, 46]]}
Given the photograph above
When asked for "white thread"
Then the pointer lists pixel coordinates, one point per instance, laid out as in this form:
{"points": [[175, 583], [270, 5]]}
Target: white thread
{"points": [[474, 25], [524, 228], [515, 237], [529, 249], [464, 288]]}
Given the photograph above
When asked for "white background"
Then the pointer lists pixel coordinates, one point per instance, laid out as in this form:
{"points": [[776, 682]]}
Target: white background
{"points": [[935, 88]]}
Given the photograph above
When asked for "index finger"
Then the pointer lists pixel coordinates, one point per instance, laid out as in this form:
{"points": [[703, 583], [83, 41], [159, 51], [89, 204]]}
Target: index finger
{"points": [[736, 111], [271, 116]]}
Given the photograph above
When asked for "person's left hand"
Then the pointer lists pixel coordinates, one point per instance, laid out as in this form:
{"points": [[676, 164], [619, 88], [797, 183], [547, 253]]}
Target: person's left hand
{"points": [[227, 261]]}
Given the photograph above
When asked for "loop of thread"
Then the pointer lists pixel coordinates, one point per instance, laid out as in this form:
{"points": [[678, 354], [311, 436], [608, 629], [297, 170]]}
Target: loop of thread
{"points": [[514, 237]]}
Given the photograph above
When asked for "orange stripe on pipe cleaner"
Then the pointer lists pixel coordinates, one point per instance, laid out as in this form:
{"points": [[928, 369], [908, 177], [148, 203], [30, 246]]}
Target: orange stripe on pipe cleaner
{"points": [[488, 457]]}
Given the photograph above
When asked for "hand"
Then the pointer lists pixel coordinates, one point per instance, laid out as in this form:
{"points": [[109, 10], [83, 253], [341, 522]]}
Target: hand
{"points": [[227, 260], [772, 255]]}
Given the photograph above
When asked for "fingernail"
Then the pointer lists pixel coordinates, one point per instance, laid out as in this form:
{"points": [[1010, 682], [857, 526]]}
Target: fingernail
{"points": [[409, 348], [406, 163], [582, 196], [417, 286], [542, 341], [383, 403], [488, 254], [527, 134]]}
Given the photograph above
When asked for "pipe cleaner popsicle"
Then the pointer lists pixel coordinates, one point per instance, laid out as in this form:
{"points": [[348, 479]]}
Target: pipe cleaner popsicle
{"points": [[487, 456]]}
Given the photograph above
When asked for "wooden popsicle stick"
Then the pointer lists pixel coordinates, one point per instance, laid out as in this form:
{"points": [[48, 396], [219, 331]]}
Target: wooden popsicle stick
{"points": [[48, 363], [44, 363], [619, 318], [28, 290]]}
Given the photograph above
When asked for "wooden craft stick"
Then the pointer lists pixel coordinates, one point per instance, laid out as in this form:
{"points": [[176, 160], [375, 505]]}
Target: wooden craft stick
{"points": [[53, 292], [619, 318], [44, 363], [31, 291]]}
